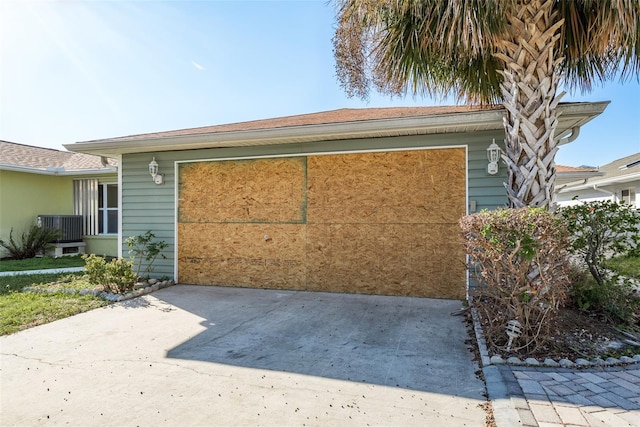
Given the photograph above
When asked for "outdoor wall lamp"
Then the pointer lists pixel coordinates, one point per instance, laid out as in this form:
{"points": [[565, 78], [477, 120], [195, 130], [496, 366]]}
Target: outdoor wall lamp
{"points": [[513, 330], [493, 154], [158, 178]]}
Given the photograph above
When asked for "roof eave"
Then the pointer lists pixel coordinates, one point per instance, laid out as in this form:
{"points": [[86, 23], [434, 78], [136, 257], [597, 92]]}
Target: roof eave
{"points": [[39, 171], [574, 114], [578, 175], [621, 179]]}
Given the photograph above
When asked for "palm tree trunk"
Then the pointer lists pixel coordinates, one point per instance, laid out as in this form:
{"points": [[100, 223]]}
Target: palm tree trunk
{"points": [[529, 89]]}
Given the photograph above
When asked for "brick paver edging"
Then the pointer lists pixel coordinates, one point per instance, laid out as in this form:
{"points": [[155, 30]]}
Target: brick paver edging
{"points": [[508, 401], [564, 363]]}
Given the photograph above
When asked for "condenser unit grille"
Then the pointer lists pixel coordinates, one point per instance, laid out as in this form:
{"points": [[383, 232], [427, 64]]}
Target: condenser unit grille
{"points": [[70, 226]]}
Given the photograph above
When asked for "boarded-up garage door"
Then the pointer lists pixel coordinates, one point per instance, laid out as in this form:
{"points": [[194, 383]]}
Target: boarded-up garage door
{"points": [[376, 223]]}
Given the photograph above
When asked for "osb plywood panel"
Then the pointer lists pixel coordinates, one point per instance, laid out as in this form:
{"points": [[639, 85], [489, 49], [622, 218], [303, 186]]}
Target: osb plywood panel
{"points": [[251, 255], [423, 260], [255, 191], [375, 223], [391, 187]]}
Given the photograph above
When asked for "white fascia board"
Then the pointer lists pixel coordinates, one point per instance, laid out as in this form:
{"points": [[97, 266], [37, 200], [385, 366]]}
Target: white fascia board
{"points": [[581, 113], [461, 122], [57, 172], [578, 175], [600, 182]]}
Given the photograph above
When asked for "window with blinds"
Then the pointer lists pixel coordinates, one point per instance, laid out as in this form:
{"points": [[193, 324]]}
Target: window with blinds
{"points": [[97, 204]]}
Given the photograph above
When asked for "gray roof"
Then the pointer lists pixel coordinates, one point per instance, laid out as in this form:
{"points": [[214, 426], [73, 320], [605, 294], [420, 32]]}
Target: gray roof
{"points": [[626, 169], [621, 167], [37, 159]]}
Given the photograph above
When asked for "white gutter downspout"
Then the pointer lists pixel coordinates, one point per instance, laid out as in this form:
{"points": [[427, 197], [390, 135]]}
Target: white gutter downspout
{"points": [[611, 193], [575, 131]]}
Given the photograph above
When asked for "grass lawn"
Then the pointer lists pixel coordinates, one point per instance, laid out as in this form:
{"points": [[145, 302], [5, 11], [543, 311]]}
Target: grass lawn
{"points": [[627, 266], [41, 263], [21, 310], [15, 283]]}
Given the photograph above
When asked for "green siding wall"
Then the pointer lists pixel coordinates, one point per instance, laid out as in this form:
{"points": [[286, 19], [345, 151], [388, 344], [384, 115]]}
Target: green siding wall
{"points": [[146, 206]]}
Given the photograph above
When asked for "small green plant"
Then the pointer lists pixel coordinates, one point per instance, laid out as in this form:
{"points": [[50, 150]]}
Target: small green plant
{"points": [[601, 230], [614, 302], [31, 242], [116, 276], [142, 247]]}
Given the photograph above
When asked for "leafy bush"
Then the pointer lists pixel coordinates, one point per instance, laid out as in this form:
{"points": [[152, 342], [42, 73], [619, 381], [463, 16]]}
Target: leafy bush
{"points": [[521, 254], [116, 276], [617, 303], [31, 242], [614, 302], [601, 230], [142, 247]]}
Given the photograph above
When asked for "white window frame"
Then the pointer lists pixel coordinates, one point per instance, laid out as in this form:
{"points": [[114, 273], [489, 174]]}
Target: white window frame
{"points": [[104, 211], [630, 198]]}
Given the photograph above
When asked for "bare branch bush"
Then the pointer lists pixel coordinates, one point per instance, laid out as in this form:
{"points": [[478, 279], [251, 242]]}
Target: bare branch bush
{"points": [[522, 258]]}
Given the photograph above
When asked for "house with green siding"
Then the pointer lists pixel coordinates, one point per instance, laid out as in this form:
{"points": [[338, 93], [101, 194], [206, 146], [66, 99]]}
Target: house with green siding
{"points": [[37, 182], [350, 200]]}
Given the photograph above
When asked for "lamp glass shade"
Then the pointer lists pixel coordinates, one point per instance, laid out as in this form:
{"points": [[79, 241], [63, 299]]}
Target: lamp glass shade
{"points": [[493, 152], [153, 168]]}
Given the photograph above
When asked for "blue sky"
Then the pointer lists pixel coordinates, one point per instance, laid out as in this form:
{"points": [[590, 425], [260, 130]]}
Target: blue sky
{"points": [[79, 70]]}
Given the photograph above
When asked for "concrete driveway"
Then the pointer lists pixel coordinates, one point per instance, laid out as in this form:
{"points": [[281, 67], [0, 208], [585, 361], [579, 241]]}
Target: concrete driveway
{"points": [[189, 355]]}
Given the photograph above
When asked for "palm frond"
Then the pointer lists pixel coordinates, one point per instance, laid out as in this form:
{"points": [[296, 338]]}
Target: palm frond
{"points": [[599, 40], [441, 48], [427, 46]]}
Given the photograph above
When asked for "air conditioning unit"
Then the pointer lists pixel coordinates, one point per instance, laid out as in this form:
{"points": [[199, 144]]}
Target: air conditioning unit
{"points": [[70, 226]]}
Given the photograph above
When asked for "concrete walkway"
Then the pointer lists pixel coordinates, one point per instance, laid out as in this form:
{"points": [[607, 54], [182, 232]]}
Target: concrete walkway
{"points": [[47, 271], [191, 356]]}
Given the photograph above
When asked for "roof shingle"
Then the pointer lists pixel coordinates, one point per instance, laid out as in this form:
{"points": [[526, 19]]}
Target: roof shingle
{"points": [[344, 115], [28, 156]]}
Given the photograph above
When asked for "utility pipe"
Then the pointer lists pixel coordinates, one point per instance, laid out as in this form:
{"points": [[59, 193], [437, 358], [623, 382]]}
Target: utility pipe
{"points": [[611, 193]]}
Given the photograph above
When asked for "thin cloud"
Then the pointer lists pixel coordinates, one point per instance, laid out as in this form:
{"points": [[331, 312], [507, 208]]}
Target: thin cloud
{"points": [[198, 66]]}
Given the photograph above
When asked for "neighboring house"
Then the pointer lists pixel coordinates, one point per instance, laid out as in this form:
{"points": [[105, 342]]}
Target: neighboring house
{"points": [[567, 174], [616, 181], [41, 181], [351, 200]]}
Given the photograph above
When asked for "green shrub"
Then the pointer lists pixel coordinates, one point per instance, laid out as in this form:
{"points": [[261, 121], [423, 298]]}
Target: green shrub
{"points": [[116, 276], [601, 230], [34, 240], [603, 235], [521, 255], [143, 248], [615, 302]]}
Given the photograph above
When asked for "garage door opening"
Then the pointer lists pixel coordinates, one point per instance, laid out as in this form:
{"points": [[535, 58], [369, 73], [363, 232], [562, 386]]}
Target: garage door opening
{"points": [[375, 223]]}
